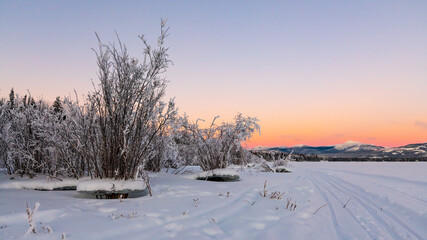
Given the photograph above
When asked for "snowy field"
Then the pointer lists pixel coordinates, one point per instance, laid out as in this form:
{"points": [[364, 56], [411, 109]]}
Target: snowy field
{"points": [[382, 201]]}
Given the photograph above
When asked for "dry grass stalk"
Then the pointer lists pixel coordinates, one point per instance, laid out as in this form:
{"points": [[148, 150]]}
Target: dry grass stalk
{"points": [[114, 217], [146, 179], [288, 202], [47, 228], [320, 208], [132, 215], [264, 191], [345, 205], [31, 222], [196, 202], [295, 206], [276, 195], [266, 168]]}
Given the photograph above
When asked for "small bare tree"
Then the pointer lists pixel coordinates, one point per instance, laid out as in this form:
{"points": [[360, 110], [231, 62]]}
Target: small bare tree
{"points": [[129, 111], [220, 145]]}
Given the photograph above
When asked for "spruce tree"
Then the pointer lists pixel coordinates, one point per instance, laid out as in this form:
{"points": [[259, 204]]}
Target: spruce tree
{"points": [[57, 106], [11, 98]]}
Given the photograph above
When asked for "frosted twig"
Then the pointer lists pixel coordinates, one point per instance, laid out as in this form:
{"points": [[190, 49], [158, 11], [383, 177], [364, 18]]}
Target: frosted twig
{"points": [[346, 203], [264, 191], [288, 202], [196, 202], [320, 208], [31, 222]]}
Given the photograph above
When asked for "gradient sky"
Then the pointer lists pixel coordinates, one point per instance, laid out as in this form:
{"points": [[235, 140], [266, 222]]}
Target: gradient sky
{"points": [[313, 72]]}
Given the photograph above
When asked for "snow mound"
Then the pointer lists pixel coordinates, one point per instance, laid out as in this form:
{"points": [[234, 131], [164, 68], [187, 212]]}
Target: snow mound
{"points": [[282, 169], [272, 167], [42, 183], [111, 185], [220, 175]]}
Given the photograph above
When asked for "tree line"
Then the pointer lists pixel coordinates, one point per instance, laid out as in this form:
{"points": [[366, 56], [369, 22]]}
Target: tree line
{"points": [[120, 129]]}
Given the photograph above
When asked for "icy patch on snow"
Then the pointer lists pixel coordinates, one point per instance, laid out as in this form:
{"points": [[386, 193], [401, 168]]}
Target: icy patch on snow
{"points": [[154, 215], [304, 215], [110, 185], [107, 210], [22, 217], [272, 218], [174, 227], [258, 225], [212, 231]]}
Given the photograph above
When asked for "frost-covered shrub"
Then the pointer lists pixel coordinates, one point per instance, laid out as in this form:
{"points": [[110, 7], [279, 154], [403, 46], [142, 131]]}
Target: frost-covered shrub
{"points": [[130, 115], [4, 135], [69, 137], [220, 145], [34, 139], [29, 150]]}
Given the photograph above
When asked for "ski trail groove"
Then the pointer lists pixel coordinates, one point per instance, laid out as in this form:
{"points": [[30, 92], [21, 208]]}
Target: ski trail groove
{"points": [[338, 233], [370, 206], [383, 229]]}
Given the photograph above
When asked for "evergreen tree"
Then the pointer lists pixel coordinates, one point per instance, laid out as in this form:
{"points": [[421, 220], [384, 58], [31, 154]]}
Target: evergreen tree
{"points": [[11, 99], [57, 106], [31, 101], [24, 100]]}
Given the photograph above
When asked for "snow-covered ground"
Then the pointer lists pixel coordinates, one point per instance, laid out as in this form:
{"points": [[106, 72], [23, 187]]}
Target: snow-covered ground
{"points": [[382, 201]]}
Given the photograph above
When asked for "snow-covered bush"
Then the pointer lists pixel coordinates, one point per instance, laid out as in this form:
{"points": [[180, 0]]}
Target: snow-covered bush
{"points": [[220, 145], [29, 149], [4, 135], [130, 114], [69, 137], [33, 139]]}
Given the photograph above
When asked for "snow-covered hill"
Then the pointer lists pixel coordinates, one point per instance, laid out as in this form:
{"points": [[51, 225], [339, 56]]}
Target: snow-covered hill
{"points": [[353, 149]]}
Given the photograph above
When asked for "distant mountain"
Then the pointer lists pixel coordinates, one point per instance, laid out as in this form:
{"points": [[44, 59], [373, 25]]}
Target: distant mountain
{"points": [[353, 149]]}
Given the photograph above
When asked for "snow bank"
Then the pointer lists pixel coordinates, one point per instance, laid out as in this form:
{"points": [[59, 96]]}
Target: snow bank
{"points": [[271, 167], [282, 169], [388, 201], [41, 183], [111, 185], [225, 174]]}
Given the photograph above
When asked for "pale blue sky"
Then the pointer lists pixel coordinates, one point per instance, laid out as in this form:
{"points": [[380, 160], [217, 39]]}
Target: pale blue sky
{"points": [[317, 60]]}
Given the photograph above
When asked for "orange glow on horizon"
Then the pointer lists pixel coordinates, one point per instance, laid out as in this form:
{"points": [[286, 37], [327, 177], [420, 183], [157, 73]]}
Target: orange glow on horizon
{"points": [[386, 135]]}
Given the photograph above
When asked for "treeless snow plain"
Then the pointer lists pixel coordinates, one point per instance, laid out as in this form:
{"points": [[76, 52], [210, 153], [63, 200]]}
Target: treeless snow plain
{"points": [[382, 201]]}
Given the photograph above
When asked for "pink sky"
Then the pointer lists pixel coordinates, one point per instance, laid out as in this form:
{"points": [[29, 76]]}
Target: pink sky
{"points": [[313, 73]]}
